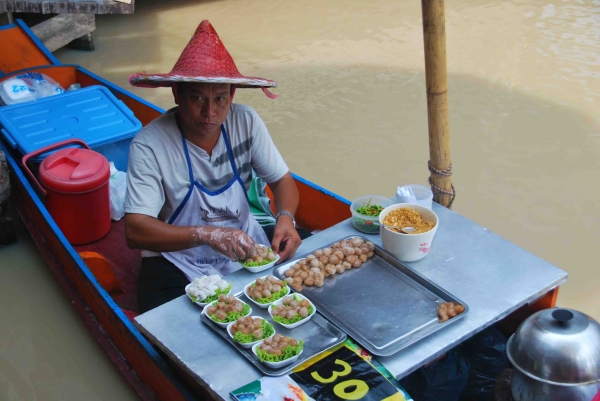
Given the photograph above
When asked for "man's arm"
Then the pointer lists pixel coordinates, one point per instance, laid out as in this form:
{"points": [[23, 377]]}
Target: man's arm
{"points": [[285, 237], [151, 234]]}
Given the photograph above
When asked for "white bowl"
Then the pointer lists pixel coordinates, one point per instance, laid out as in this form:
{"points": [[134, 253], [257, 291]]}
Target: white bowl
{"points": [[275, 365], [291, 326], [408, 247], [249, 345], [257, 303], [226, 323], [203, 304], [258, 269]]}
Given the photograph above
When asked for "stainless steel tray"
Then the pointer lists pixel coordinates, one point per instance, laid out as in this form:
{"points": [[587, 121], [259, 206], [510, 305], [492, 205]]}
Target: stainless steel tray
{"points": [[383, 305], [318, 334]]}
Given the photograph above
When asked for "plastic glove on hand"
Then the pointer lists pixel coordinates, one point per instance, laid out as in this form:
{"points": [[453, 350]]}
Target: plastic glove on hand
{"points": [[231, 242]]}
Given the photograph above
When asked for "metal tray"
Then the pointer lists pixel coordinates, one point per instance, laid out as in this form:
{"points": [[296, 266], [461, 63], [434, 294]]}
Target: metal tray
{"points": [[383, 305], [318, 334]]}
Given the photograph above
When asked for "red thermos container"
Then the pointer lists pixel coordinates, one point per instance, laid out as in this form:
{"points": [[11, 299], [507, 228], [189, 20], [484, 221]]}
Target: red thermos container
{"points": [[76, 190]]}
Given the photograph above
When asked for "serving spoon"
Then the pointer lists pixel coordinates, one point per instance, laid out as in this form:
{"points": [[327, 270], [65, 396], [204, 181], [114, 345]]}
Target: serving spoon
{"points": [[404, 230]]}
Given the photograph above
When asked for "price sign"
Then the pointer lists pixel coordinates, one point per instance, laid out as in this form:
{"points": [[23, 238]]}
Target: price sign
{"points": [[343, 375]]}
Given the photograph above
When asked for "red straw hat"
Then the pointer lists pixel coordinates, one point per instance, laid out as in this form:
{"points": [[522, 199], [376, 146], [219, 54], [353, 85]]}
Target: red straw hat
{"points": [[204, 59]]}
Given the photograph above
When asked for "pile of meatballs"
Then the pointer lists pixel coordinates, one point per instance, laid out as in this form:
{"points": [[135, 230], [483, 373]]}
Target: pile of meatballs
{"points": [[224, 305], [341, 256], [289, 308], [275, 345], [260, 254], [248, 325], [265, 288]]}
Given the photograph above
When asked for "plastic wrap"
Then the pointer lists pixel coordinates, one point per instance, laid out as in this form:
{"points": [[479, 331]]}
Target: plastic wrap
{"points": [[118, 188], [28, 87]]}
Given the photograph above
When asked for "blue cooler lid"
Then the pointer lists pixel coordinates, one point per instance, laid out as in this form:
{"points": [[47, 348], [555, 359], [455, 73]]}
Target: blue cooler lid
{"points": [[92, 114]]}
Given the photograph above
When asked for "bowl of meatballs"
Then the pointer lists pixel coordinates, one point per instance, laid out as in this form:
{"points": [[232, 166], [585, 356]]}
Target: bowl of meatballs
{"points": [[250, 330], [278, 351], [292, 310], [226, 309], [266, 290], [263, 258]]}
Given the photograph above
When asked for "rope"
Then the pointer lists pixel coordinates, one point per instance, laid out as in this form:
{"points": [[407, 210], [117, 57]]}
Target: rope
{"points": [[446, 173]]}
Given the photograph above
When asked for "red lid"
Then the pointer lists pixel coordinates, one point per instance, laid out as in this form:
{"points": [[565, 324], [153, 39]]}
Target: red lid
{"points": [[74, 170]]}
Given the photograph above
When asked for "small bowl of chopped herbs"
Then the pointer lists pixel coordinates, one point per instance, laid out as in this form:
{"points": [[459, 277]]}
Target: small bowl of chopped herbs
{"points": [[365, 212], [250, 330]]}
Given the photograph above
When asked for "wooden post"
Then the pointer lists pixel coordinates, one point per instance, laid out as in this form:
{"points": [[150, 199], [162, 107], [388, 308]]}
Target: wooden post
{"points": [[434, 35]]}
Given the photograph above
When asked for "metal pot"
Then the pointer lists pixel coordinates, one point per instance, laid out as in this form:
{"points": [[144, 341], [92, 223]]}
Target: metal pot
{"points": [[556, 355]]}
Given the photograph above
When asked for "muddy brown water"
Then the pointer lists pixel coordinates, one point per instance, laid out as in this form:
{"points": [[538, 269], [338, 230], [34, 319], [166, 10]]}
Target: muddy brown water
{"points": [[524, 88]]}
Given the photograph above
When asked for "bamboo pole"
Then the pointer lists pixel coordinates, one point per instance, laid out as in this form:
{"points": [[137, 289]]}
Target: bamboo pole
{"points": [[436, 77]]}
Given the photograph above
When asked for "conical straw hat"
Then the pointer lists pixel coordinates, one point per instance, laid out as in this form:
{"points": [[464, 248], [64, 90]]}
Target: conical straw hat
{"points": [[204, 59]]}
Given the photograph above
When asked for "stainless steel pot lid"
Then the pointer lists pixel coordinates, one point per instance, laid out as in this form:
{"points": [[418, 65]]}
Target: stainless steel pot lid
{"points": [[557, 345]]}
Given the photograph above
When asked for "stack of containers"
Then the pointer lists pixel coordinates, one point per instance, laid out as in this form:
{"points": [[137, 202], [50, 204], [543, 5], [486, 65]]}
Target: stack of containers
{"points": [[50, 133], [92, 114]]}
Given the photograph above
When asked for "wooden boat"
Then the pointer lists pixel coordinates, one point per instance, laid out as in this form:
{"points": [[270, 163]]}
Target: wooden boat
{"points": [[108, 315], [106, 307]]}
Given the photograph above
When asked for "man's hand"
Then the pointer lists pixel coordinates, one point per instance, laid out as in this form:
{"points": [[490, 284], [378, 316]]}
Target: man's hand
{"points": [[231, 242], [285, 238]]}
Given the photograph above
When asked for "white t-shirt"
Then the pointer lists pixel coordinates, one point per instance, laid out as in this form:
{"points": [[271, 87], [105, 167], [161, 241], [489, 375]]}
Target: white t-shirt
{"points": [[158, 177]]}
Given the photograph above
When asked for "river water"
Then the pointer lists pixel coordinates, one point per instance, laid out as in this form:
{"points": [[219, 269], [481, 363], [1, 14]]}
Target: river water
{"points": [[524, 89]]}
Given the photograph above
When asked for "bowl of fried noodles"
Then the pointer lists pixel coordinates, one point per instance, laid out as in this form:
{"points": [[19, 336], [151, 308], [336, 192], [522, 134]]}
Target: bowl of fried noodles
{"points": [[408, 247]]}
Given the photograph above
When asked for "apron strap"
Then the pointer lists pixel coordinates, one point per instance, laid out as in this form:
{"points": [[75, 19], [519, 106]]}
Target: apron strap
{"points": [[185, 150], [232, 161]]}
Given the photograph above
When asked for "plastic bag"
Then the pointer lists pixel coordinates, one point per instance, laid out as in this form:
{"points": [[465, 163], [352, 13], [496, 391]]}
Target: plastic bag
{"points": [[118, 187], [443, 380], [27, 87], [486, 354]]}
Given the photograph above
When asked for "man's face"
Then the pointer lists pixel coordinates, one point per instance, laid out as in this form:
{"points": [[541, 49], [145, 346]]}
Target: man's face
{"points": [[203, 107]]}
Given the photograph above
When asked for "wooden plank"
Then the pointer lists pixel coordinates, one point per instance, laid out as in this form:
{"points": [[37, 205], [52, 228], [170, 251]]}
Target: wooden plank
{"points": [[60, 30], [67, 6]]}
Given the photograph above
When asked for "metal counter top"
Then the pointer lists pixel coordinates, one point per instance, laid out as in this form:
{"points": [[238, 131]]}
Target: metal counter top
{"points": [[491, 275]]}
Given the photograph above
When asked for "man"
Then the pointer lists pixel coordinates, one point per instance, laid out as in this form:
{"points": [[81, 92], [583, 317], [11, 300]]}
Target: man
{"points": [[186, 205]]}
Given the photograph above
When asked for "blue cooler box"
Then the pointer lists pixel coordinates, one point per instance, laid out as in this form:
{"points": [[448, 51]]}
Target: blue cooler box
{"points": [[92, 114]]}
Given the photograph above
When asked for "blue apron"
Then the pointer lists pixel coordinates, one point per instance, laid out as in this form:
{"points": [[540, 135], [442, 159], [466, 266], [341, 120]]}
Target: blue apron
{"points": [[225, 207]]}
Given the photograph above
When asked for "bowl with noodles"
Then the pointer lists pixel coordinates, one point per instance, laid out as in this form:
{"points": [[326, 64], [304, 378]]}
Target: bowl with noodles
{"points": [[408, 247]]}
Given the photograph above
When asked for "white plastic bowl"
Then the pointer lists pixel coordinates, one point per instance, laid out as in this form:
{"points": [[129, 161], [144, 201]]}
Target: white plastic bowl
{"points": [[259, 269], [249, 345], [224, 325], [202, 304], [275, 365], [256, 302], [291, 326], [408, 247]]}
